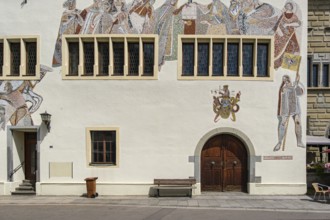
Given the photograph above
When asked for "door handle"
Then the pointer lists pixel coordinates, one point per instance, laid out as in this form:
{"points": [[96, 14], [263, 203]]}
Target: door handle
{"points": [[212, 163]]}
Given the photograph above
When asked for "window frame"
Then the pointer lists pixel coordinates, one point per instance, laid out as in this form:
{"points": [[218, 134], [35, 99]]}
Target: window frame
{"points": [[23, 73], [225, 40], [89, 147], [109, 38]]}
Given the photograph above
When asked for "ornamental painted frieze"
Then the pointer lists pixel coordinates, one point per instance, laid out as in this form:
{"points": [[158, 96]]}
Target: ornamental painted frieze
{"points": [[240, 17], [224, 105]]}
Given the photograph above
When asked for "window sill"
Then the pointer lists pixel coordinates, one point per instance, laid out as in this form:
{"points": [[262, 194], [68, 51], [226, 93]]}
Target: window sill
{"points": [[102, 165]]}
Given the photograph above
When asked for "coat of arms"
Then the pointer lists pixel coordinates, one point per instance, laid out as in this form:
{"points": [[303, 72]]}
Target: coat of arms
{"points": [[224, 105]]}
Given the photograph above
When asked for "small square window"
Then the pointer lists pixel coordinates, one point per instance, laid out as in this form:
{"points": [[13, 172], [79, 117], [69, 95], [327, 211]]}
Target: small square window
{"points": [[103, 146]]}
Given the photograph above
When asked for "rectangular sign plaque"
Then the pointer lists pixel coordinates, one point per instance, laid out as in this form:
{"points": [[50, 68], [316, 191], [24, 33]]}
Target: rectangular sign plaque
{"points": [[278, 157]]}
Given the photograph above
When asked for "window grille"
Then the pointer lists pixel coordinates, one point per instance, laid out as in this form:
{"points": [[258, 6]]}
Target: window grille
{"points": [[218, 59], [103, 58], [133, 59], [188, 59], [118, 52], [103, 147], [148, 59], [203, 59], [232, 59], [15, 52], [73, 58], [88, 58], [31, 58], [248, 59], [262, 60]]}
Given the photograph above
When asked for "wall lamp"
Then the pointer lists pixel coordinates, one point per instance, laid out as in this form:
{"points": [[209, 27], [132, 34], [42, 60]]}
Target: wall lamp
{"points": [[45, 117]]}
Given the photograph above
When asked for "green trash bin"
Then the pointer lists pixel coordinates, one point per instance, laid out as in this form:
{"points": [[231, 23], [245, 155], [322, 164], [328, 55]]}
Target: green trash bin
{"points": [[91, 187]]}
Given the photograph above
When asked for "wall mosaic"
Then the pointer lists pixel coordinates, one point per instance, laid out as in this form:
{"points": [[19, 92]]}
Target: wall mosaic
{"points": [[241, 17], [18, 101], [288, 102]]}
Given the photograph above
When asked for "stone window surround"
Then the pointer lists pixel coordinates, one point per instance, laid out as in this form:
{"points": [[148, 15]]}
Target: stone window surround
{"points": [[226, 39], [89, 147], [22, 39], [109, 39]]}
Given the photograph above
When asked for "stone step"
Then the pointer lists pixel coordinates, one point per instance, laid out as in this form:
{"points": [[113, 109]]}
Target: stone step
{"points": [[27, 181], [24, 188], [25, 185], [24, 193]]}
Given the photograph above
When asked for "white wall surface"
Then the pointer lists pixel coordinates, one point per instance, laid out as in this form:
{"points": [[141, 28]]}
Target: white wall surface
{"points": [[160, 121]]}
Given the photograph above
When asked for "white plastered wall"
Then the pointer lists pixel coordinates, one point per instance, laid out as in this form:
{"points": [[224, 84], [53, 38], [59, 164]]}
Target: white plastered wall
{"points": [[161, 122]]}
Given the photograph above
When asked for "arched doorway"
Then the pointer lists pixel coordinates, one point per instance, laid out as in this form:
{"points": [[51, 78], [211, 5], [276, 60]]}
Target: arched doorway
{"points": [[224, 164]]}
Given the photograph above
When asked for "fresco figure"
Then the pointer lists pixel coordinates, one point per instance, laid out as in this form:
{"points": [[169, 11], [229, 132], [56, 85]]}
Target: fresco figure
{"points": [[285, 36], [15, 99], [120, 14], [18, 100], [257, 18], [88, 15], [71, 21], [218, 20], [141, 16], [288, 106], [103, 21], [2, 117], [164, 27]]}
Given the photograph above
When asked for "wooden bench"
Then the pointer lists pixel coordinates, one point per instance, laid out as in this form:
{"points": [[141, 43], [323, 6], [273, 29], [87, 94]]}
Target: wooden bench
{"points": [[170, 184]]}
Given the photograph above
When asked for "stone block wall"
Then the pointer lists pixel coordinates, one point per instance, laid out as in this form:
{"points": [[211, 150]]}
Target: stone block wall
{"points": [[318, 111], [318, 26], [318, 101]]}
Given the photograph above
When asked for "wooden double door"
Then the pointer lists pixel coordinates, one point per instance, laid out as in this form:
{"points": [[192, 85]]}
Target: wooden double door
{"points": [[224, 164]]}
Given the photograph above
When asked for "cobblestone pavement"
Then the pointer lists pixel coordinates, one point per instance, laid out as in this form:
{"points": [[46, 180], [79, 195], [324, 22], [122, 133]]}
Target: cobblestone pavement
{"points": [[227, 201]]}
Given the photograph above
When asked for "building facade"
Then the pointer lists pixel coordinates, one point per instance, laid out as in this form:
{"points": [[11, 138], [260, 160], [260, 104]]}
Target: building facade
{"points": [[153, 89], [318, 83]]}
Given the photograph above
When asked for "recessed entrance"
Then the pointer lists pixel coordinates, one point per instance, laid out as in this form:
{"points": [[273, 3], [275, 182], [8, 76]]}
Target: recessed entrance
{"points": [[224, 164], [30, 156]]}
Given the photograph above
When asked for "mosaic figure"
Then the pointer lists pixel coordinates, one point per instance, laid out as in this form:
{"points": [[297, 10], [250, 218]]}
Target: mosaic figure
{"points": [[164, 27], [18, 100], [285, 35], [88, 15], [224, 105], [288, 106], [71, 21], [103, 21], [2, 117], [141, 16], [15, 99], [218, 20], [120, 14], [257, 18]]}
